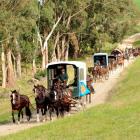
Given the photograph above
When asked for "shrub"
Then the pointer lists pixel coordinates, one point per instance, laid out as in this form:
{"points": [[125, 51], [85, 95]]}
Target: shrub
{"points": [[40, 74]]}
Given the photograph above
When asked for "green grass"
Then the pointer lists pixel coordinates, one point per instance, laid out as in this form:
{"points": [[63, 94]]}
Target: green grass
{"points": [[137, 2], [119, 119], [136, 44]]}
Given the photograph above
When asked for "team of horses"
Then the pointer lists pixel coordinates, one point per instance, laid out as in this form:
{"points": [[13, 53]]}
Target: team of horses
{"points": [[56, 100]]}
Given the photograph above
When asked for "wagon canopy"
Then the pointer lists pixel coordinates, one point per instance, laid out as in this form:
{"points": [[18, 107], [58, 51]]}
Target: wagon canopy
{"points": [[112, 57], [76, 72], [116, 52], [101, 58]]}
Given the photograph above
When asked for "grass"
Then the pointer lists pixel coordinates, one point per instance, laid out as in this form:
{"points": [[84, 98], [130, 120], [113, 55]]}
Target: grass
{"points": [[137, 2], [119, 119], [136, 44]]}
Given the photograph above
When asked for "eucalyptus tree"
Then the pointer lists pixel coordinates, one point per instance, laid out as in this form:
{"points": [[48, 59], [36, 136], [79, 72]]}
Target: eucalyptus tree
{"points": [[107, 21], [61, 21], [17, 17]]}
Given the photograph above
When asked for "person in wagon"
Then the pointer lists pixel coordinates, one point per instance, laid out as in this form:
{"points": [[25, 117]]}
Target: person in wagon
{"points": [[63, 77]]}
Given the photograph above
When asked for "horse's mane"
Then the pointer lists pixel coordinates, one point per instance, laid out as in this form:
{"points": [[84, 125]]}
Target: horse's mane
{"points": [[43, 89], [15, 91]]}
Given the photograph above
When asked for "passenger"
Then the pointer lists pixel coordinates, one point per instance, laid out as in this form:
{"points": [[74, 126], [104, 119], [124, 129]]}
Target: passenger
{"points": [[63, 77]]}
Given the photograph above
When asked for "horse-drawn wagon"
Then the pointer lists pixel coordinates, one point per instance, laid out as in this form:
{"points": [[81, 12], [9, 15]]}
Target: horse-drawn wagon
{"points": [[117, 52], [101, 59], [100, 69], [76, 76]]}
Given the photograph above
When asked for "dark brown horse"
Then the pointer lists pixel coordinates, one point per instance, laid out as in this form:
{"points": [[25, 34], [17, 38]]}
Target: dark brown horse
{"points": [[62, 98], [42, 100], [18, 102]]}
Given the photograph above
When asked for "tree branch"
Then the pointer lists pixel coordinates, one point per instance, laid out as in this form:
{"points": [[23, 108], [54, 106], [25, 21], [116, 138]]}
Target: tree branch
{"points": [[51, 32], [80, 11]]}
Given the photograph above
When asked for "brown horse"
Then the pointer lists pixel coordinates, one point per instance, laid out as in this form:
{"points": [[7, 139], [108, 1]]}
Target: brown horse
{"points": [[90, 87], [18, 102], [120, 61], [104, 72], [42, 100], [62, 98], [95, 72]]}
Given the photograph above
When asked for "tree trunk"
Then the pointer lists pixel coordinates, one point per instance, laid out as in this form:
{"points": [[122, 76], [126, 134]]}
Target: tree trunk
{"points": [[67, 52], [10, 70], [34, 67], [58, 52], [54, 58], [75, 44], [63, 48], [18, 60], [3, 68], [45, 55], [43, 61], [45, 45]]}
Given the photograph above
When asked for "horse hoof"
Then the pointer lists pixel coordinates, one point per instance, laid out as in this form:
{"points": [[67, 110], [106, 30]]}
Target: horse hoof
{"points": [[38, 120], [69, 114]]}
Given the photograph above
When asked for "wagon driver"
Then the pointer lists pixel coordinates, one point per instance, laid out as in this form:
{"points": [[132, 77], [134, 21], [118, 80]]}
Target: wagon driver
{"points": [[63, 77]]}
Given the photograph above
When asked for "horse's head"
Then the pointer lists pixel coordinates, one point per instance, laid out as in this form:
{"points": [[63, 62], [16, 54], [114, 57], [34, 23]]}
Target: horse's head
{"points": [[36, 90], [14, 96], [40, 91]]}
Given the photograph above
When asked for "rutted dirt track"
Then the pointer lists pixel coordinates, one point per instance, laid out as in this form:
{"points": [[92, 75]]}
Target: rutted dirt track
{"points": [[102, 92]]}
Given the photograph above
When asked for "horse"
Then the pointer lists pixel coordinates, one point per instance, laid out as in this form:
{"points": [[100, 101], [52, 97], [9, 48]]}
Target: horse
{"points": [[62, 98], [18, 102], [104, 72], [90, 87], [42, 100], [120, 61], [95, 72]]}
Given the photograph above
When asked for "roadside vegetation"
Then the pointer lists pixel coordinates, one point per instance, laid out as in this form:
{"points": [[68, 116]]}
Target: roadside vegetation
{"points": [[136, 44]]}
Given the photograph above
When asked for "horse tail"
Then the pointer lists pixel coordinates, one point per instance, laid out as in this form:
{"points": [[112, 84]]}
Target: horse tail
{"points": [[28, 112]]}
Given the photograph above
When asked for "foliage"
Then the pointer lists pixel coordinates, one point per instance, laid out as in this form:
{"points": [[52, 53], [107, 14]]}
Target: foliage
{"points": [[40, 74], [137, 44]]}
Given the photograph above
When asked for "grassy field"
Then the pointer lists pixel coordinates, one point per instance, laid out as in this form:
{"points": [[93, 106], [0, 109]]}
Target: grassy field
{"points": [[119, 119], [137, 44], [137, 2]]}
